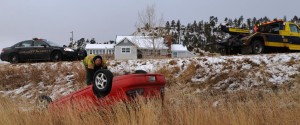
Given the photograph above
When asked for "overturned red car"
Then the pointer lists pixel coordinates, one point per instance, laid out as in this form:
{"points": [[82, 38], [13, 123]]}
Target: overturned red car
{"points": [[108, 90]]}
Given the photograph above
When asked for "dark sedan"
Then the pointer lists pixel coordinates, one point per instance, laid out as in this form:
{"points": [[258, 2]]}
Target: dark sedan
{"points": [[36, 49]]}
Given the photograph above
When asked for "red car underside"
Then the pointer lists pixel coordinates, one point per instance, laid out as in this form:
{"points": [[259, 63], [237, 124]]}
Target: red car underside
{"points": [[124, 88]]}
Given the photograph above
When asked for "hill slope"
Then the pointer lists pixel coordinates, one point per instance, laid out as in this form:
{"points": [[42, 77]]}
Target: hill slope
{"points": [[196, 75]]}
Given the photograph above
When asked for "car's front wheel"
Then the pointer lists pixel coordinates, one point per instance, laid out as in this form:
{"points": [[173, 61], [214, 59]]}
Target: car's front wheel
{"points": [[56, 56], [102, 82], [14, 58]]}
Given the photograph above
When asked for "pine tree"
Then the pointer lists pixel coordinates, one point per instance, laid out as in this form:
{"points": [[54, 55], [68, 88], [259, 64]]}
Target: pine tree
{"points": [[249, 23], [188, 27], [226, 20], [254, 21], [178, 24], [200, 25], [167, 25], [173, 24], [212, 21], [240, 21], [235, 22], [295, 19], [93, 41]]}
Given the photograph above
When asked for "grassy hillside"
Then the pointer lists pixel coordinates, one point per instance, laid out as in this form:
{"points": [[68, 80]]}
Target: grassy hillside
{"points": [[208, 90], [233, 108]]}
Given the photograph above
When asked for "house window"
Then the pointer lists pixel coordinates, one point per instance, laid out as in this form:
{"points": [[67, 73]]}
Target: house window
{"points": [[126, 50], [94, 52]]}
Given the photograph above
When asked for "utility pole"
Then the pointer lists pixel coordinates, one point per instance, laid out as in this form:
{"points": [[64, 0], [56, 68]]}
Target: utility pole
{"points": [[71, 39]]}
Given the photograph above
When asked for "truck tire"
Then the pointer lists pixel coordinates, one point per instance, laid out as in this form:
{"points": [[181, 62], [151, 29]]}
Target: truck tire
{"points": [[257, 47], [102, 82]]}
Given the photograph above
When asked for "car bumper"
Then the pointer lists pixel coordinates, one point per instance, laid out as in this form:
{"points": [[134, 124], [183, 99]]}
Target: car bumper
{"points": [[4, 57], [70, 55]]}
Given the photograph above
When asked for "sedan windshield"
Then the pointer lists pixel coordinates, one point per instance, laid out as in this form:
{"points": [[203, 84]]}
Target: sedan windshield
{"points": [[51, 43]]}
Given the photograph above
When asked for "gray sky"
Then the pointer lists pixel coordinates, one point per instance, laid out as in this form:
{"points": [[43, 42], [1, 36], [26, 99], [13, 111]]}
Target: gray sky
{"points": [[103, 20]]}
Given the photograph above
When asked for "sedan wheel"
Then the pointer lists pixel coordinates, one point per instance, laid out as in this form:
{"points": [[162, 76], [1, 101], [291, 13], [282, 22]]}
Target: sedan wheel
{"points": [[14, 58], [101, 81], [56, 56]]}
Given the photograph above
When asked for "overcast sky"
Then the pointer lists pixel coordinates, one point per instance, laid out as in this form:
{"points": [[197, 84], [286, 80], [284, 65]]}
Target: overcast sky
{"points": [[103, 20]]}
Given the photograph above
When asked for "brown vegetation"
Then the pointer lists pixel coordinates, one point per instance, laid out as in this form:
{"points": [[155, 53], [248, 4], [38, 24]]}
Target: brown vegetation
{"points": [[235, 108], [278, 104]]}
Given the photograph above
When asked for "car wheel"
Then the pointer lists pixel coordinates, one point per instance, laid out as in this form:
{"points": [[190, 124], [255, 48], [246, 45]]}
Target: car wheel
{"points": [[42, 102], [56, 56], [257, 47], [102, 82], [140, 72], [14, 58]]}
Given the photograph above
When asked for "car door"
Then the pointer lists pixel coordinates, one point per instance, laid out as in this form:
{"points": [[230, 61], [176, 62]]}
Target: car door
{"points": [[42, 50], [294, 34], [272, 33], [25, 50]]}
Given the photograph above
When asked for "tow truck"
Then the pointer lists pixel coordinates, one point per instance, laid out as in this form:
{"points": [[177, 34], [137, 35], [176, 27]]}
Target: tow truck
{"points": [[277, 33]]}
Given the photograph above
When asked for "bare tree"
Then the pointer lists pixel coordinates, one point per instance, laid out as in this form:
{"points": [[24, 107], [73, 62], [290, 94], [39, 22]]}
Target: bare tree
{"points": [[152, 27]]}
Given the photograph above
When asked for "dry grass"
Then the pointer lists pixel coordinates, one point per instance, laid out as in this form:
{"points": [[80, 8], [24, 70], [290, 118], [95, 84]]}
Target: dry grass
{"points": [[181, 106], [15, 76], [237, 108]]}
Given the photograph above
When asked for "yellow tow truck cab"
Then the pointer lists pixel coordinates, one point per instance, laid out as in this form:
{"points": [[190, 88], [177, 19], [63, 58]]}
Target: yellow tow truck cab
{"points": [[276, 34], [270, 34]]}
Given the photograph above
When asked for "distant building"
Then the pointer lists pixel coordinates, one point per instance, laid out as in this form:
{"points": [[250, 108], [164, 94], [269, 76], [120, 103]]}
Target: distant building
{"points": [[180, 51], [106, 50], [134, 47]]}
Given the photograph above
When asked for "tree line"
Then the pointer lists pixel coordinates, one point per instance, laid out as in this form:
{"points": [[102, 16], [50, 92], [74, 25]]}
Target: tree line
{"points": [[205, 34]]}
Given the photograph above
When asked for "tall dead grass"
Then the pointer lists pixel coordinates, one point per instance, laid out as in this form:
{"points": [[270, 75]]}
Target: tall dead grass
{"points": [[179, 108], [15, 76], [239, 108]]}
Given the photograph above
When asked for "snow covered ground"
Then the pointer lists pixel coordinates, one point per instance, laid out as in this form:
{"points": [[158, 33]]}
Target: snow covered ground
{"points": [[218, 73]]}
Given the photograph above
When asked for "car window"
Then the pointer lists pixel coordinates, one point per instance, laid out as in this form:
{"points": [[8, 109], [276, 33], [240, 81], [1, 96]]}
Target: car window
{"points": [[39, 43], [51, 43], [25, 44], [294, 28]]}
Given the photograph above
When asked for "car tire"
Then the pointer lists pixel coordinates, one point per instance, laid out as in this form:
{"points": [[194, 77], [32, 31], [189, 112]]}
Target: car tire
{"points": [[42, 102], [14, 58], [102, 82], [257, 47], [140, 72], [56, 56]]}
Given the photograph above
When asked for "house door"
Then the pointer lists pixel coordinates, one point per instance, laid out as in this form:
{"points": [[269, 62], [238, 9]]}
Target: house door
{"points": [[175, 54]]}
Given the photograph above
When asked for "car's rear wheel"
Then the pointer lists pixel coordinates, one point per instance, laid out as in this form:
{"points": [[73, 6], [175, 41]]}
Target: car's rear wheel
{"points": [[56, 56], [257, 47], [42, 102], [102, 82], [14, 58]]}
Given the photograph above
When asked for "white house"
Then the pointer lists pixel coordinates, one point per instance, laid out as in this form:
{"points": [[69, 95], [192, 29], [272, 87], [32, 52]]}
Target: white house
{"points": [[133, 47], [100, 49], [180, 51]]}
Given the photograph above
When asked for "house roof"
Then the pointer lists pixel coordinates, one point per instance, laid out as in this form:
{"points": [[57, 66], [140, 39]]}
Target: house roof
{"points": [[100, 46], [144, 42], [178, 47]]}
